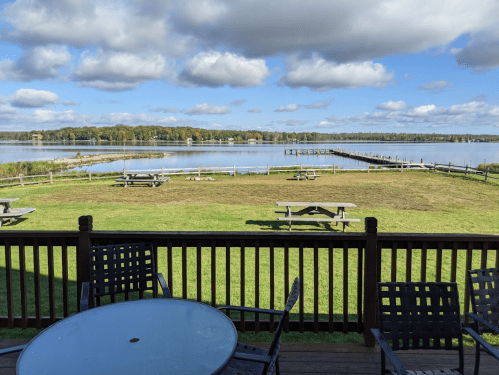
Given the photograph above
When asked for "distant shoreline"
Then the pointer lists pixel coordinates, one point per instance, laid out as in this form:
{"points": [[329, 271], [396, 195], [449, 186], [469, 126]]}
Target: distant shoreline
{"points": [[83, 160]]}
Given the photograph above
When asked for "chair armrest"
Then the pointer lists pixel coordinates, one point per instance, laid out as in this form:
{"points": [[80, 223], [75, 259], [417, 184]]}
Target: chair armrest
{"points": [[13, 349], [85, 296], [480, 320], [251, 309], [392, 357], [252, 357], [488, 348], [164, 287]]}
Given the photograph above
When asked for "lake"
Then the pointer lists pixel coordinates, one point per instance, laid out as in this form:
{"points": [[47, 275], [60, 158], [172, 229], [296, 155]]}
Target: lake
{"points": [[224, 155]]}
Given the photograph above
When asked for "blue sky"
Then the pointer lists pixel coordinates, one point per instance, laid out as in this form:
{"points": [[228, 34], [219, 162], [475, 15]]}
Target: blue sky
{"points": [[297, 66]]}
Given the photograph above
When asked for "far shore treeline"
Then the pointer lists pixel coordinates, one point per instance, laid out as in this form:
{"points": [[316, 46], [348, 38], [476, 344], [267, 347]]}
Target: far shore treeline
{"points": [[155, 132]]}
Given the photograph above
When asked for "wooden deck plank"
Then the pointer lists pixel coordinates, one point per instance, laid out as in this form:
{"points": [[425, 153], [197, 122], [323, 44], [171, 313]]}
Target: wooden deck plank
{"points": [[308, 359]]}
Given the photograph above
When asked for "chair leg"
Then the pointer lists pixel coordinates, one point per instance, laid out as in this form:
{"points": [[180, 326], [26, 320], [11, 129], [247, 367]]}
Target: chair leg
{"points": [[477, 358], [277, 366]]}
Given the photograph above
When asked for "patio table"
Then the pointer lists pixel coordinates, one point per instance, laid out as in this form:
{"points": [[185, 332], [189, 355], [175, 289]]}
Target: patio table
{"points": [[148, 336]]}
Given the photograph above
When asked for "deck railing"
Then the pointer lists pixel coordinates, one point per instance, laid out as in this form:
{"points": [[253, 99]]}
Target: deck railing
{"points": [[338, 271]]}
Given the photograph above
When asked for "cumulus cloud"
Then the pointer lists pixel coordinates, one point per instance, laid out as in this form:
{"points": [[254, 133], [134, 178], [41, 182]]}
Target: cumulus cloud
{"points": [[216, 69], [208, 109], [340, 31], [35, 63], [29, 98], [320, 75], [237, 103], [254, 110], [460, 115], [393, 106], [481, 53], [288, 108], [291, 122], [116, 71], [119, 25], [435, 86]]}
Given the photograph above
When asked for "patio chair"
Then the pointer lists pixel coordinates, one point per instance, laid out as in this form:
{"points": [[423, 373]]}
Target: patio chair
{"points": [[251, 360], [484, 291], [419, 316], [121, 268]]}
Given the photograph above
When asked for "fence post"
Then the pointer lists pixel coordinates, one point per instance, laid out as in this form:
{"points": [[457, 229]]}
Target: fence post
{"points": [[21, 179], [486, 173], [334, 168], [90, 175], [50, 177], [449, 168], [466, 173], [83, 253], [162, 171], [199, 171], [401, 166], [368, 167], [370, 280], [234, 171], [268, 170]]}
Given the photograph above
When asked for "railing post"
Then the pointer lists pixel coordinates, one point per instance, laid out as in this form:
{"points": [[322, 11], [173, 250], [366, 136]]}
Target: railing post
{"points": [[21, 179], [199, 171], [50, 176], [83, 254], [370, 279], [486, 173], [234, 171], [89, 175]]}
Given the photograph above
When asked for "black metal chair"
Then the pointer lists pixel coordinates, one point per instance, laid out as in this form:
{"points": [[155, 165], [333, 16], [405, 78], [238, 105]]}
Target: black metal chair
{"points": [[121, 268], [419, 316], [484, 291], [251, 360]]}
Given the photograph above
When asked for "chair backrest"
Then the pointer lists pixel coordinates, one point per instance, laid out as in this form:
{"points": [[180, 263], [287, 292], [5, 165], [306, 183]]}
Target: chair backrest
{"points": [[292, 298], [484, 291], [420, 315], [122, 268]]}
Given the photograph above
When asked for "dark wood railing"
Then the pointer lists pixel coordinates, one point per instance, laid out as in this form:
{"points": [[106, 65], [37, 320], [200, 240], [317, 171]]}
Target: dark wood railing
{"points": [[191, 258]]}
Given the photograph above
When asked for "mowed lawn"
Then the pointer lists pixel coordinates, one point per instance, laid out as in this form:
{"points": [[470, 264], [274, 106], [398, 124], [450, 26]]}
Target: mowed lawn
{"points": [[408, 202]]}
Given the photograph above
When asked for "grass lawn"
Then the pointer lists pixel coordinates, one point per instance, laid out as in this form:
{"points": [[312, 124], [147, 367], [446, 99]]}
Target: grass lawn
{"points": [[409, 202]]}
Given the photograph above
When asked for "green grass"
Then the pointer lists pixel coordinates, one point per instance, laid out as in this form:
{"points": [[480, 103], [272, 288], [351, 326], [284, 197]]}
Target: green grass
{"points": [[412, 202]]}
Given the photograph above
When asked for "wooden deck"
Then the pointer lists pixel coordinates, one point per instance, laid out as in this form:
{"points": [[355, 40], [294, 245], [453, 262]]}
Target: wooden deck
{"points": [[332, 359]]}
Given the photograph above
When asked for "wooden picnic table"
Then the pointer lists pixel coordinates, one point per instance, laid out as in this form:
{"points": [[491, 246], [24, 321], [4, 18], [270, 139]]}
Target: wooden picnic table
{"points": [[306, 174], [142, 178], [317, 208], [8, 213]]}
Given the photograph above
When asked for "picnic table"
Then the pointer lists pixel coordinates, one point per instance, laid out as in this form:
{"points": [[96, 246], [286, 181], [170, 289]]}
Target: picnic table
{"points": [[145, 336], [306, 174], [142, 178], [317, 208], [8, 213]]}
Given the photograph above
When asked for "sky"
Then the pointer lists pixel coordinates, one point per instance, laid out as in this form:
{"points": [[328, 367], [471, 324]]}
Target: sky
{"points": [[325, 66]]}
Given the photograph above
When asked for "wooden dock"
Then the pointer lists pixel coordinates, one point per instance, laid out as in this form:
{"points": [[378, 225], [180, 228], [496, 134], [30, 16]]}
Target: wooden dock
{"points": [[317, 358]]}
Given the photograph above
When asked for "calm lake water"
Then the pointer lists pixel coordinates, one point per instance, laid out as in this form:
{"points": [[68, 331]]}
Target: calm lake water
{"points": [[243, 155]]}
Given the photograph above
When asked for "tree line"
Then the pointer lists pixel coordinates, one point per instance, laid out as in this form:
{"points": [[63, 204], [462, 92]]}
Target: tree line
{"points": [[154, 132]]}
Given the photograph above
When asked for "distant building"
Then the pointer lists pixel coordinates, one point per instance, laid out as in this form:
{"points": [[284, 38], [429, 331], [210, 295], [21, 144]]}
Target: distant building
{"points": [[36, 137]]}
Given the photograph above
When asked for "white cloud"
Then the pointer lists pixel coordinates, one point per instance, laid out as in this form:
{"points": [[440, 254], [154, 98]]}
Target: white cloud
{"points": [[118, 24], [115, 71], [321, 75], [435, 86], [461, 115], [324, 104], [288, 108], [164, 110], [29, 98], [208, 109], [481, 53], [291, 122], [408, 76], [393, 106], [338, 30], [35, 63], [254, 110], [215, 69], [5, 109]]}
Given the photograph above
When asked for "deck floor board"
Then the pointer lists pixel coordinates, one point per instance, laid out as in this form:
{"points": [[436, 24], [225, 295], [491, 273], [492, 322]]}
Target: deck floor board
{"points": [[345, 359]]}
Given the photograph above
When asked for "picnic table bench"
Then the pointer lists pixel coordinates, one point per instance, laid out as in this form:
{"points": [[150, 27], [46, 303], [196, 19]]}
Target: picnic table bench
{"points": [[316, 208], [142, 178], [307, 174], [8, 213]]}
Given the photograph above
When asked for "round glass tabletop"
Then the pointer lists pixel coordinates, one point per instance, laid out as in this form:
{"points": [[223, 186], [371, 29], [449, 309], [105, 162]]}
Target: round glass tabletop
{"points": [[148, 336]]}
